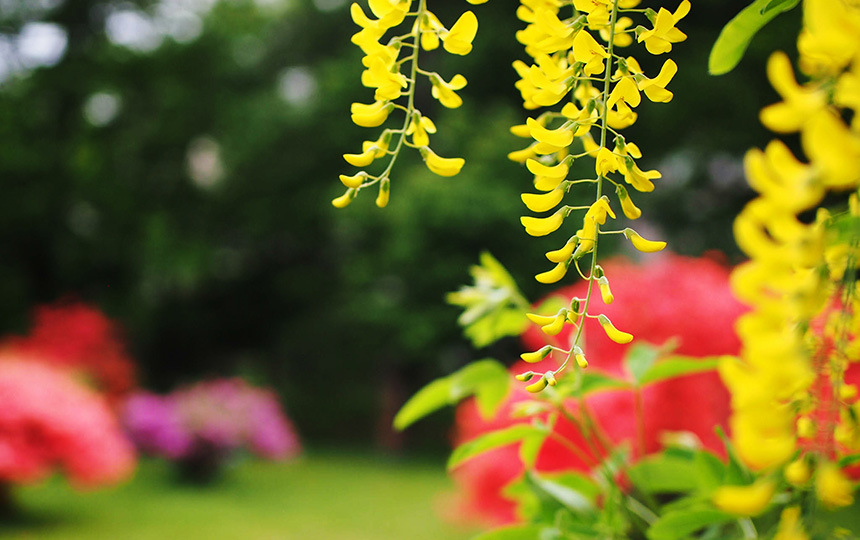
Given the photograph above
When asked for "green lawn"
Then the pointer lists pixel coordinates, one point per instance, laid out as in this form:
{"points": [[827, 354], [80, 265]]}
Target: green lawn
{"points": [[319, 497]]}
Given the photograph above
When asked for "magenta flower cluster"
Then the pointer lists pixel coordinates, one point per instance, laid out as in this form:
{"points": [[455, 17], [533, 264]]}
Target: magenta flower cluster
{"points": [[218, 417]]}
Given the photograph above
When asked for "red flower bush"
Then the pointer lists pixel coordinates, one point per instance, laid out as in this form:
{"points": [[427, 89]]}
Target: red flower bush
{"points": [[672, 297], [49, 420], [80, 337]]}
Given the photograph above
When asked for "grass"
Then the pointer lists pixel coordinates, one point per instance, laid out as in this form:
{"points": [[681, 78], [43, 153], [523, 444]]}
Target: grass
{"points": [[319, 497]]}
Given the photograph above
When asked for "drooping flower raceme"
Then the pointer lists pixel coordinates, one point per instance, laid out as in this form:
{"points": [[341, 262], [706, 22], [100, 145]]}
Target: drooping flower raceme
{"points": [[392, 71], [575, 58], [788, 388]]}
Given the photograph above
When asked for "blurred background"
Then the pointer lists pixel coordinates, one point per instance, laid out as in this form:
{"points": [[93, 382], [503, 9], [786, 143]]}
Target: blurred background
{"points": [[171, 163]]}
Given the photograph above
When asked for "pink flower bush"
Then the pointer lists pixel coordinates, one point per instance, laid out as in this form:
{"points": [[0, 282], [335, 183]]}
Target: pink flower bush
{"points": [[210, 420], [80, 337], [49, 420], [672, 297]]}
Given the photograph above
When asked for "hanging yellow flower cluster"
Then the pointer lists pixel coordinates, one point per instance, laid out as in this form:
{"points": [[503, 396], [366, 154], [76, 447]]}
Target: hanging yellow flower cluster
{"points": [[787, 387], [575, 59], [391, 69]]}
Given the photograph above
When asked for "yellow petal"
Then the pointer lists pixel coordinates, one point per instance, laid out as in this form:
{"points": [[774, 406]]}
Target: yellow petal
{"points": [[641, 244], [556, 137], [748, 500], [613, 333], [554, 275]]}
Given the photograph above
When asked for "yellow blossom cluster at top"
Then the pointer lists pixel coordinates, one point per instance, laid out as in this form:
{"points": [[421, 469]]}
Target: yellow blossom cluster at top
{"points": [[588, 93], [391, 70], [788, 394]]}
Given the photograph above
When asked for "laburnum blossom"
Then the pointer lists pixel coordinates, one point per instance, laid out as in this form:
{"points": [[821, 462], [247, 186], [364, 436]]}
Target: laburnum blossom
{"points": [[674, 297], [660, 39], [50, 421]]}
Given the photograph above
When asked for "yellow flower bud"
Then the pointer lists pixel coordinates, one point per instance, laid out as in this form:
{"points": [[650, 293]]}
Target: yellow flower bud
{"points": [[536, 387], [579, 357], [363, 159], [748, 500], [643, 245], [805, 427], [538, 355], [613, 333], [563, 254], [344, 200], [832, 488], [384, 189], [554, 275], [540, 319], [630, 210], [605, 293], [543, 226], [525, 376], [798, 472], [550, 378], [353, 181], [554, 328], [441, 166], [544, 201]]}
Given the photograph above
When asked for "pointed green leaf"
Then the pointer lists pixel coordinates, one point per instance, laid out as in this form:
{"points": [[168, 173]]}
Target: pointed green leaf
{"points": [[737, 34], [574, 491], [487, 379], [675, 367], [594, 381], [530, 448], [664, 473], [709, 471], [682, 523], [489, 441]]}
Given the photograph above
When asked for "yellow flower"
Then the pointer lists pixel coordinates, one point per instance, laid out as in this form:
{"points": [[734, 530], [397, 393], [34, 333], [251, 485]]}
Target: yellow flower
{"points": [[605, 162], [353, 181], [539, 169], [748, 500], [445, 91], [538, 355], [832, 488], [605, 292], [430, 27], [554, 275], [834, 149], [655, 88], [587, 50], [560, 137], [439, 165], [659, 40], [564, 253], [630, 210], [799, 103], [388, 84], [790, 527], [544, 226], [544, 201], [344, 200], [384, 192], [625, 90], [798, 472], [372, 115], [641, 244], [613, 333], [419, 130], [459, 38]]}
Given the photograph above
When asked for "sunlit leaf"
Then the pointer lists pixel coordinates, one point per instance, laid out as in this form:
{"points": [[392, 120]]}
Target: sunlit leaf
{"points": [[735, 37], [513, 532], [487, 380], [682, 523], [489, 441], [675, 367]]}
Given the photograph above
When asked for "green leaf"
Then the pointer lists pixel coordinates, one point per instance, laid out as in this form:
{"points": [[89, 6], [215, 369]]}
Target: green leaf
{"points": [[489, 441], [847, 461], [662, 473], [513, 532], [737, 34], [487, 379], [709, 471], [675, 367], [493, 305], [575, 492], [530, 448], [681, 524], [639, 359], [593, 381], [736, 472]]}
